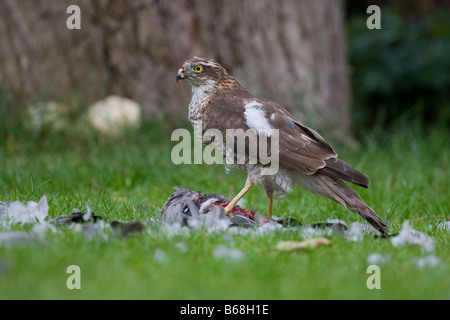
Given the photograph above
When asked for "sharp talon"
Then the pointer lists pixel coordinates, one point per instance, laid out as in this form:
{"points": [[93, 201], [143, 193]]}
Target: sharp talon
{"points": [[233, 202]]}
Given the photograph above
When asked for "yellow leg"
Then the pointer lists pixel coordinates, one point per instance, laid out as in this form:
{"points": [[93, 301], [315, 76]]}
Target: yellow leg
{"points": [[237, 198], [269, 213]]}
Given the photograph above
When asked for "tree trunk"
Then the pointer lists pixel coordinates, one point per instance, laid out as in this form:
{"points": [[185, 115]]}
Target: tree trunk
{"points": [[290, 51]]}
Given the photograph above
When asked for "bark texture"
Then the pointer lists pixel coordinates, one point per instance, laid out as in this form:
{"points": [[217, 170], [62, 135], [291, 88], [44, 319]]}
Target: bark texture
{"points": [[289, 51]]}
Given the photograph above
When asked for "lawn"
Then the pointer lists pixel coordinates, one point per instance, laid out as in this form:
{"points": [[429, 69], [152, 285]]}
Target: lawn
{"points": [[129, 178]]}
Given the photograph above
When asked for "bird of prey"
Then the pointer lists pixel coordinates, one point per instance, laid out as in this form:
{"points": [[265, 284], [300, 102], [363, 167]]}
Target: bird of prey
{"points": [[220, 102]]}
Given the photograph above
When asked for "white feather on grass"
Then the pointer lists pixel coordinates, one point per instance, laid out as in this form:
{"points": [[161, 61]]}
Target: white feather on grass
{"points": [[30, 212], [409, 236]]}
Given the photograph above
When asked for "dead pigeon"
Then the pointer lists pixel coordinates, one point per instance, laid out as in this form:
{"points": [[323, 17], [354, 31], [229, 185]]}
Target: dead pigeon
{"points": [[185, 206]]}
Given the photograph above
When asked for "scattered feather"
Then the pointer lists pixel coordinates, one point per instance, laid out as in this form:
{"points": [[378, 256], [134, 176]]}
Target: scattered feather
{"points": [[269, 227], [42, 228], [214, 221], [326, 229], [159, 256], [18, 212], [92, 230], [355, 233], [182, 246], [429, 261], [10, 238], [378, 259], [409, 236], [228, 254]]}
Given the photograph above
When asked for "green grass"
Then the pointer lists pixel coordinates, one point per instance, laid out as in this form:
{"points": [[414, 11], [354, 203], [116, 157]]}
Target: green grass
{"points": [[130, 178]]}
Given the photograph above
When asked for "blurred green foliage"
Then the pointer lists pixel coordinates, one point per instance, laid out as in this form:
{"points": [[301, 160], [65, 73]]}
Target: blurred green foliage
{"points": [[401, 70]]}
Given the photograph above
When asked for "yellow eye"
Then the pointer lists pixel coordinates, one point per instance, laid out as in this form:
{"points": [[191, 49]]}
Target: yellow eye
{"points": [[197, 69]]}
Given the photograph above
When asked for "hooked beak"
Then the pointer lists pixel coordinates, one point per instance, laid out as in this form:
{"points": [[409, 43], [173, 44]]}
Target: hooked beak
{"points": [[181, 74]]}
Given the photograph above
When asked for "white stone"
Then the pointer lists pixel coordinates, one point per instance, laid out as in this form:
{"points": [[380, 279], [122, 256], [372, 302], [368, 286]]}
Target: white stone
{"points": [[113, 114]]}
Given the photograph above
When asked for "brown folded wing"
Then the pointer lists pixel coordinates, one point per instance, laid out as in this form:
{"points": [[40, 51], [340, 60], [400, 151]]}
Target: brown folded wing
{"points": [[301, 149]]}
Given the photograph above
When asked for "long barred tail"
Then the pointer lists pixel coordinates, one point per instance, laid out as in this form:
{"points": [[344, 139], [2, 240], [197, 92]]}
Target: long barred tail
{"points": [[338, 191]]}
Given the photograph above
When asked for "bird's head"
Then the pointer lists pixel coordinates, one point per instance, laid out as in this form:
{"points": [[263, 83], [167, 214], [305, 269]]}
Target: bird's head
{"points": [[204, 72]]}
